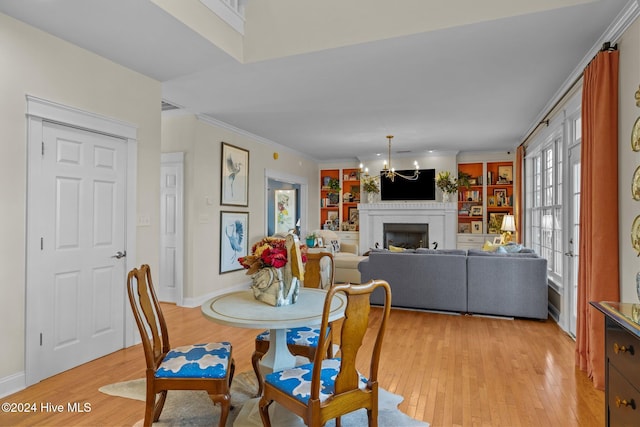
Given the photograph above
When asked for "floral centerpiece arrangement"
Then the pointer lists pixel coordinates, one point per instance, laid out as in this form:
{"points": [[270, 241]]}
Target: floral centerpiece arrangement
{"points": [[370, 184], [446, 182], [277, 268]]}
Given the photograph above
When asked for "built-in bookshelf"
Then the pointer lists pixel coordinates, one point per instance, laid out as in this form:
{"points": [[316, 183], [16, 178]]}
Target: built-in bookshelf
{"points": [[488, 198], [339, 209]]}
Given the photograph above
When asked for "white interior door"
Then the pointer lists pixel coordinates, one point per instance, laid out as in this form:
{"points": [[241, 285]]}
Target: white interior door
{"points": [[81, 277], [573, 243], [170, 281]]}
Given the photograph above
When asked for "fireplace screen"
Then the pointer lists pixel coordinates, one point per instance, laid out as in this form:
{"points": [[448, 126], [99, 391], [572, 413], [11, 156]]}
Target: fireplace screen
{"points": [[408, 236]]}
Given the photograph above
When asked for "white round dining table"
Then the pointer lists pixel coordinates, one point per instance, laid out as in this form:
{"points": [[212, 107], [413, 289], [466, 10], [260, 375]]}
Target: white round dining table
{"points": [[241, 309]]}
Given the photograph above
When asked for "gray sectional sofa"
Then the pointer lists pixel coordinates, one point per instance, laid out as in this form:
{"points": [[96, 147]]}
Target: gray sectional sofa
{"points": [[474, 281]]}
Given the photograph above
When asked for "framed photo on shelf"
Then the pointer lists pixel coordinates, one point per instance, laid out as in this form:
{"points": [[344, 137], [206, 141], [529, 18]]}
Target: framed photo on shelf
{"points": [[332, 216], [285, 210], [505, 173], [234, 229], [354, 216], [501, 196], [491, 201], [476, 211], [476, 227], [234, 182], [497, 240], [464, 227]]}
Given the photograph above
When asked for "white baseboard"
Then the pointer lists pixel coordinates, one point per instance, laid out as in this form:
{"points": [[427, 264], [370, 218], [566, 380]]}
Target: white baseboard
{"points": [[12, 384]]}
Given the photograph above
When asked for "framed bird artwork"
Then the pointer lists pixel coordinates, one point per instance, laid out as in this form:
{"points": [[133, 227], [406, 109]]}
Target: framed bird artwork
{"points": [[235, 176], [234, 228]]}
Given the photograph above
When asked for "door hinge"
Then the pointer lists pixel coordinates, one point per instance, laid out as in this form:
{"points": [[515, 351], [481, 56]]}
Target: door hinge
{"points": [[40, 339], [42, 148], [42, 243]]}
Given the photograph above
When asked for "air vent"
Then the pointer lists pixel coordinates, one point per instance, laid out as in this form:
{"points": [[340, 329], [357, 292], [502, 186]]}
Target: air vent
{"points": [[403, 151], [168, 107]]}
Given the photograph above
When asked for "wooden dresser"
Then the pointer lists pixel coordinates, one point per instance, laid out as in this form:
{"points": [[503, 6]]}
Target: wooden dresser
{"points": [[622, 363]]}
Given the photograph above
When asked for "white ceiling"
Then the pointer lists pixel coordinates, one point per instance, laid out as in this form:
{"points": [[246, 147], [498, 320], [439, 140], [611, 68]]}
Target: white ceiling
{"points": [[479, 86]]}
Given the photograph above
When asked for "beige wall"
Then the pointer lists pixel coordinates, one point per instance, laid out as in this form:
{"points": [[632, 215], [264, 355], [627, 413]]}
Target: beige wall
{"points": [[34, 63], [629, 160], [201, 142]]}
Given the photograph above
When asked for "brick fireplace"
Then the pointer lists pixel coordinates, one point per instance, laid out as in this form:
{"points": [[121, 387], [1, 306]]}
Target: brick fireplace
{"points": [[439, 218]]}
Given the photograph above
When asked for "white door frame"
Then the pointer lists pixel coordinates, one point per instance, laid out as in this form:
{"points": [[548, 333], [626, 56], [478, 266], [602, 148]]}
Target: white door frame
{"points": [[39, 111], [173, 160], [290, 179]]}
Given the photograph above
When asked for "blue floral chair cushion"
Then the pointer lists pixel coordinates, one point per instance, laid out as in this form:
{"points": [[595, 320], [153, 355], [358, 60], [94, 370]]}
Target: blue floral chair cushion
{"points": [[297, 381], [304, 336], [209, 360]]}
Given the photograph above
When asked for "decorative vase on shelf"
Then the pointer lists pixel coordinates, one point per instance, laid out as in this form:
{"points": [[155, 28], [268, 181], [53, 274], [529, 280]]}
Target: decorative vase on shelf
{"points": [[371, 197], [446, 197]]}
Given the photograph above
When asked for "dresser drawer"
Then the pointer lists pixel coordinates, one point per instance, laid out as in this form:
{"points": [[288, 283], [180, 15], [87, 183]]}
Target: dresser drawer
{"points": [[623, 352], [622, 405]]}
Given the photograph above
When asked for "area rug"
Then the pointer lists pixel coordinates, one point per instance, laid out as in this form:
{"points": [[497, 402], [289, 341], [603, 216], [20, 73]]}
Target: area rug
{"points": [[194, 408]]}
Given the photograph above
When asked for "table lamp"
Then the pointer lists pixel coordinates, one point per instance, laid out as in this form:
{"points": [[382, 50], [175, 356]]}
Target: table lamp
{"points": [[508, 227]]}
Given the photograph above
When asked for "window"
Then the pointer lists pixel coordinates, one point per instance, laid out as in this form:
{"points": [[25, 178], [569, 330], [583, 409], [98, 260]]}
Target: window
{"points": [[543, 200]]}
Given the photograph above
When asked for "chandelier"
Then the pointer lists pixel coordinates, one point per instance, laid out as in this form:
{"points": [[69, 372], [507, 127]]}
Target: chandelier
{"points": [[390, 173]]}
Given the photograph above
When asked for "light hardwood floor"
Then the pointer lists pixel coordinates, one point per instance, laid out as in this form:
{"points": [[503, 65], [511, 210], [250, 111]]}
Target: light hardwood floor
{"points": [[451, 370]]}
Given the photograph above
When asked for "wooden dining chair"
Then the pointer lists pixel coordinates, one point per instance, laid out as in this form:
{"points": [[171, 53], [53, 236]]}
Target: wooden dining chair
{"points": [[329, 388], [207, 366], [304, 340]]}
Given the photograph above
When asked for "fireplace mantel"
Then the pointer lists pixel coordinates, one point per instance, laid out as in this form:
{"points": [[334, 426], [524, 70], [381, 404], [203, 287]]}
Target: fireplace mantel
{"points": [[441, 218]]}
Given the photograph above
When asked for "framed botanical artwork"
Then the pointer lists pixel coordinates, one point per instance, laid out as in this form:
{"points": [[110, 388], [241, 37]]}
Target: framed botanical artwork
{"points": [[476, 227], [285, 210], [505, 173], [234, 181], [476, 211], [234, 229]]}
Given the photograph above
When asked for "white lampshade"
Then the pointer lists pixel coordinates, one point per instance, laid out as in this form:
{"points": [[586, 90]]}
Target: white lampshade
{"points": [[508, 223]]}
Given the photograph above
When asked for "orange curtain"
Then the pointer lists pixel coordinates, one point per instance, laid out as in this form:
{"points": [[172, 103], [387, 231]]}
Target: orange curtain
{"points": [[598, 278], [518, 190]]}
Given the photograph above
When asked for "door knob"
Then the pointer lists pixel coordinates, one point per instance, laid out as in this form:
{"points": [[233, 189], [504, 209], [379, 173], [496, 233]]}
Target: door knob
{"points": [[119, 255]]}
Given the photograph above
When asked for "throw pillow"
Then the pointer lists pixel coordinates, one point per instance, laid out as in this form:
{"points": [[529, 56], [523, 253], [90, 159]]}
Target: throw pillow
{"points": [[395, 249], [489, 247], [512, 248]]}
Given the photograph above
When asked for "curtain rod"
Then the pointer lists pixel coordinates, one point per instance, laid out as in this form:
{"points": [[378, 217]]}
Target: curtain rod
{"points": [[606, 47]]}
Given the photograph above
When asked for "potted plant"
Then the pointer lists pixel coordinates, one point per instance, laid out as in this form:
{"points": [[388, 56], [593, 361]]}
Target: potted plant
{"points": [[447, 184], [370, 186], [333, 191], [311, 239]]}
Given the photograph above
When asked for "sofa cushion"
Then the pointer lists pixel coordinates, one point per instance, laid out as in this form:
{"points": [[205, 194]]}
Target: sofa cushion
{"points": [[441, 251], [479, 252]]}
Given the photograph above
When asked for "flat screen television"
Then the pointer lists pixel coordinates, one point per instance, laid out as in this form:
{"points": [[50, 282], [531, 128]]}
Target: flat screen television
{"points": [[424, 188]]}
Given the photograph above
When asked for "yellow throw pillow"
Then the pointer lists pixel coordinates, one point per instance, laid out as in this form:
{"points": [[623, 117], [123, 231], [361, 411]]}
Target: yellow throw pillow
{"points": [[489, 247], [395, 249]]}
